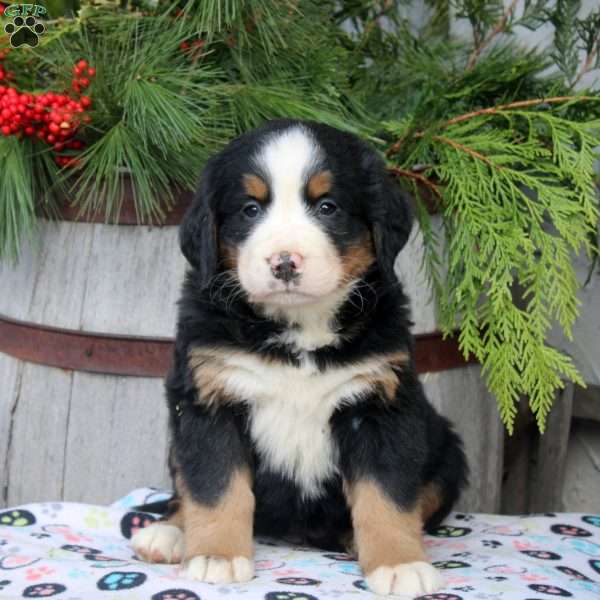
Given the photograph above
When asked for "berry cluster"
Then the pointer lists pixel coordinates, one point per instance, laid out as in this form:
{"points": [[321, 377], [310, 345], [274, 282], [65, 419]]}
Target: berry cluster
{"points": [[51, 118]]}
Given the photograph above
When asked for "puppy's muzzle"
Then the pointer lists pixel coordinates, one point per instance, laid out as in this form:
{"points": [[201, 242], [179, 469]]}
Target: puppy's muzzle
{"points": [[286, 266]]}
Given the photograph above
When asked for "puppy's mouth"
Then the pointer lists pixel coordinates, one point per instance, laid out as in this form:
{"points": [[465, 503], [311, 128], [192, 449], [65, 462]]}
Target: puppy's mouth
{"points": [[285, 297]]}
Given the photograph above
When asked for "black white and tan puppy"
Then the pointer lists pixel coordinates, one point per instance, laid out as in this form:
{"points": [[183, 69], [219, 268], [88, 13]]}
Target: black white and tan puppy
{"points": [[294, 406]]}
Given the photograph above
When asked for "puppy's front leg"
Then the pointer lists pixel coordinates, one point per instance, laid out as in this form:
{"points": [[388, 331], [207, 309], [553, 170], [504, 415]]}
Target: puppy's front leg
{"points": [[218, 537], [217, 503]]}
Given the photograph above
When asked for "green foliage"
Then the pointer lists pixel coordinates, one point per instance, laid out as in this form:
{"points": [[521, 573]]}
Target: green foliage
{"points": [[517, 199], [26, 180]]}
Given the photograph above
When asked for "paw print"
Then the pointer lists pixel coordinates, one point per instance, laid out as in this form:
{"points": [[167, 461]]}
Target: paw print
{"points": [[4, 583], [297, 581], [491, 543], [542, 554], [572, 573], [462, 517], [120, 580], [43, 590], [79, 549], [288, 596], [98, 518], [17, 518], [570, 530], [24, 31], [549, 589], [34, 573], [175, 595], [132, 522], [450, 531], [39, 536]]}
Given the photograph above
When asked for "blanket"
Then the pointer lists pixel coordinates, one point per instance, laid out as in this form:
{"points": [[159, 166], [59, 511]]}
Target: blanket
{"points": [[82, 552]]}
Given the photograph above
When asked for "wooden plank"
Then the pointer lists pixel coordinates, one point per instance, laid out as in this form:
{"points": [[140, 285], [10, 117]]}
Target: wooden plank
{"points": [[548, 469], [518, 449], [461, 395], [586, 402], [20, 279], [37, 450], [61, 281], [581, 485], [117, 437], [135, 281], [10, 379]]}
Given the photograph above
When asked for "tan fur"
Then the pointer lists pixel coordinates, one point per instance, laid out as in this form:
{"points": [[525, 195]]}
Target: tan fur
{"points": [[430, 500], [223, 530], [209, 369], [229, 255], [388, 380], [358, 258], [384, 534], [319, 185], [255, 187]]}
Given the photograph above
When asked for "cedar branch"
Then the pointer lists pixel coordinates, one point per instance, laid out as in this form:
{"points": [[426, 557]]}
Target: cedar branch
{"points": [[498, 28], [395, 148], [418, 177]]}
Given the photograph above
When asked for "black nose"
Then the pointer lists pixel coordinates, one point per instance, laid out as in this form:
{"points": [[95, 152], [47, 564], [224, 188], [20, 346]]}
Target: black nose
{"points": [[285, 269]]}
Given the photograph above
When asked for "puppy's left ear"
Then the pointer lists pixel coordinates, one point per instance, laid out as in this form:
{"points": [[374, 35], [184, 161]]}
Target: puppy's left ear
{"points": [[198, 230], [391, 219]]}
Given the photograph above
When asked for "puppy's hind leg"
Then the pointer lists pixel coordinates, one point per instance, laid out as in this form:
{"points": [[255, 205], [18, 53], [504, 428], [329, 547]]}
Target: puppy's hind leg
{"points": [[162, 541]]}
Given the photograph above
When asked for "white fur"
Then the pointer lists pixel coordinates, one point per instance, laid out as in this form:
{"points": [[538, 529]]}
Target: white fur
{"points": [[288, 158], [290, 409], [310, 327], [159, 542], [216, 569], [407, 579]]}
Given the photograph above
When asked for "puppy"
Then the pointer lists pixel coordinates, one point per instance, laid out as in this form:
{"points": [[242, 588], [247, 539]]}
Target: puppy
{"points": [[294, 405]]}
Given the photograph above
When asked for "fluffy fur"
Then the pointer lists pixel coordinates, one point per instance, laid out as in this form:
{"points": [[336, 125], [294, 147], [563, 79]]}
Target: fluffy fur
{"points": [[294, 405]]}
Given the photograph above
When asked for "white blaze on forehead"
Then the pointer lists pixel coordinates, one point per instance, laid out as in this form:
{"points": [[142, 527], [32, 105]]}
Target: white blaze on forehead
{"points": [[288, 157]]}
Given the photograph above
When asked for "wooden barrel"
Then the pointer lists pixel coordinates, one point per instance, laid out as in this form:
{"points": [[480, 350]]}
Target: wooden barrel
{"points": [[87, 318]]}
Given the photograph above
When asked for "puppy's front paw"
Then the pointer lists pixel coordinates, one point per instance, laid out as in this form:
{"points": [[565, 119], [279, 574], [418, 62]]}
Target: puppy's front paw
{"points": [[159, 543], [406, 579], [216, 569]]}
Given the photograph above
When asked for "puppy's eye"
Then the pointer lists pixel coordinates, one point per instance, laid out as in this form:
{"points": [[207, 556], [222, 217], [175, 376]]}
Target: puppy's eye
{"points": [[326, 207], [252, 210]]}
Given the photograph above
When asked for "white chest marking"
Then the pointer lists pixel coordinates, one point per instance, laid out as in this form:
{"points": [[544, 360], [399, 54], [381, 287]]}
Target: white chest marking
{"points": [[290, 408]]}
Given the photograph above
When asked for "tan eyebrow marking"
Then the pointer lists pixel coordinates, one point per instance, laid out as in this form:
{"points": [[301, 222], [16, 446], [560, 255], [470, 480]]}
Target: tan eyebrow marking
{"points": [[319, 184], [255, 187]]}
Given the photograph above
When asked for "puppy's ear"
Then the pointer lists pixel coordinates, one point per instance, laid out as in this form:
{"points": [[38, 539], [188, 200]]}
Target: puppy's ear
{"points": [[391, 218], [198, 230]]}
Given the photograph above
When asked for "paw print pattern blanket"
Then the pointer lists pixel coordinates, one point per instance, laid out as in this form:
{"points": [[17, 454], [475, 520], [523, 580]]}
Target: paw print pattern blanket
{"points": [[81, 552]]}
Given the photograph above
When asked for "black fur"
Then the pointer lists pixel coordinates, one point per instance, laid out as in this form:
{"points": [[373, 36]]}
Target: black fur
{"points": [[402, 445]]}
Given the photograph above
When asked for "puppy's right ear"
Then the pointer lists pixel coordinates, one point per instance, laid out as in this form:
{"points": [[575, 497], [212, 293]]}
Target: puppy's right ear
{"points": [[198, 230]]}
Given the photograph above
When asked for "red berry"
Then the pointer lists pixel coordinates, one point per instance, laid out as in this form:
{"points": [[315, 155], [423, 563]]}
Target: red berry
{"points": [[91, 72], [84, 82], [85, 101], [82, 64], [5, 130]]}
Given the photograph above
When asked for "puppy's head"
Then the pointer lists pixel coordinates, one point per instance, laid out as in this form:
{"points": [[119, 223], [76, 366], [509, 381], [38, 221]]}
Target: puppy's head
{"points": [[298, 211]]}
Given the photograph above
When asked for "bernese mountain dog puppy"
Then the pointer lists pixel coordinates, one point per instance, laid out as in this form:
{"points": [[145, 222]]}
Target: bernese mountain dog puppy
{"points": [[295, 410]]}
